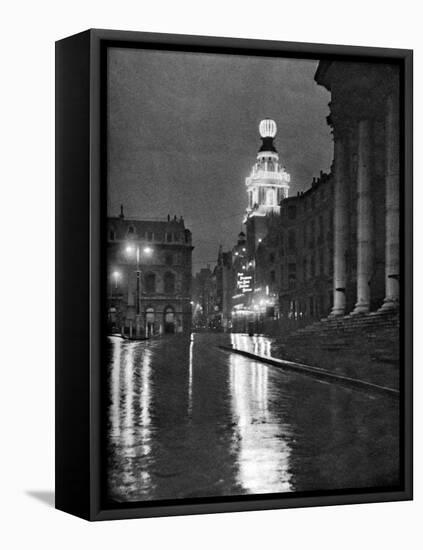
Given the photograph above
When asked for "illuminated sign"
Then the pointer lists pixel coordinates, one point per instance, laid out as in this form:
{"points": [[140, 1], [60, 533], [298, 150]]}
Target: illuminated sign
{"points": [[244, 282]]}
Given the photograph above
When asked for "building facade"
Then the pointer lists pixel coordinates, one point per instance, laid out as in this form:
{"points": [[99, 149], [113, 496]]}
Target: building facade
{"points": [[242, 284], [364, 117], [149, 276], [294, 262]]}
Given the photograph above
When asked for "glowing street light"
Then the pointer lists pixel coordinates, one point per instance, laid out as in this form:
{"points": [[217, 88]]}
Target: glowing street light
{"points": [[130, 249]]}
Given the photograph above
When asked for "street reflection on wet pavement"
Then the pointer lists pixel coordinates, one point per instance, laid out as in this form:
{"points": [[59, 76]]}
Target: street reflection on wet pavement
{"points": [[186, 419]]}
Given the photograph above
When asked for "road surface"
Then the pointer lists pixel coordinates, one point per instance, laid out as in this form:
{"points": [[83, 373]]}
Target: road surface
{"points": [[186, 419]]}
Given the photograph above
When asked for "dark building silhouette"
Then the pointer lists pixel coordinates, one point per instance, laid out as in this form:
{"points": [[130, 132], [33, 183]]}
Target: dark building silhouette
{"points": [[204, 298], [223, 275], [364, 117]]}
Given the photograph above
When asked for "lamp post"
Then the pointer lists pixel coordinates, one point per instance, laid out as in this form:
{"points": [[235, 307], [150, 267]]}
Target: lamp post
{"points": [[112, 310], [131, 250], [116, 277]]}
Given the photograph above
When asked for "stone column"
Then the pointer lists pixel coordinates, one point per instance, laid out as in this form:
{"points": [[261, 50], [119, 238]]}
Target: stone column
{"points": [[364, 220], [340, 229], [392, 252]]}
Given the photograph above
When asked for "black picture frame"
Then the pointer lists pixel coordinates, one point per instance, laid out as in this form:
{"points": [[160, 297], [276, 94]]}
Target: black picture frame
{"points": [[80, 213]]}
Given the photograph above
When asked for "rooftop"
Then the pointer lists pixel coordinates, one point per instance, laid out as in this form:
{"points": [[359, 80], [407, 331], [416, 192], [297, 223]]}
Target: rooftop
{"points": [[171, 230]]}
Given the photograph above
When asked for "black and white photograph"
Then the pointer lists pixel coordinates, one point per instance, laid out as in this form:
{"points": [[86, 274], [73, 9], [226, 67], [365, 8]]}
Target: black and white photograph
{"points": [[253, 296], [209, 311]]}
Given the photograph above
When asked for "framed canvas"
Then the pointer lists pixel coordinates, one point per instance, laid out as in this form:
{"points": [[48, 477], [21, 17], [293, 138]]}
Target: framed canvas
{"points": [[234, 275]]}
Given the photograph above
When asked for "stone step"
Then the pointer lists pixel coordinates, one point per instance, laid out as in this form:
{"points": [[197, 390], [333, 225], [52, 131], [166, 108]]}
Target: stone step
{"points": [[353, 322], [349, 325]]}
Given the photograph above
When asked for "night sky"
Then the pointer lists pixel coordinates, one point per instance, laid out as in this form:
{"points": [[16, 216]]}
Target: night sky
{"points": [[183, 135]]}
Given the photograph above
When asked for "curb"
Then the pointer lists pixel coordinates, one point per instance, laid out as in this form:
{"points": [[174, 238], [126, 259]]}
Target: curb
{"points": [[316, 372]]}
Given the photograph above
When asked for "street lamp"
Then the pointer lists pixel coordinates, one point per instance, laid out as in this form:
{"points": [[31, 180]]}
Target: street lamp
{"points": [[116, 277], [114, 299], [130, 250]]}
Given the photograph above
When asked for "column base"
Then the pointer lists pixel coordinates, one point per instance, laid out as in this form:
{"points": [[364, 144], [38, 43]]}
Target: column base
{"points": [[389, 304], [336, 312], [360, 309]]}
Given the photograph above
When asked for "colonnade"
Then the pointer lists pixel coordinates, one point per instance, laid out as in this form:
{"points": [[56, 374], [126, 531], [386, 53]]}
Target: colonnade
{"points": [[363, 127]]}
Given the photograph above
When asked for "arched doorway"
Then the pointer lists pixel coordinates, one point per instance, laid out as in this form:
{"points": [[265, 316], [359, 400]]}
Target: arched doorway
{"points": [[149, 321], [169, 320]]}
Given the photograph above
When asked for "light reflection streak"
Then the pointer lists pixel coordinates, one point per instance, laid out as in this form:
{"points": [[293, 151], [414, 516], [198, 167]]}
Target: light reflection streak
{"points": [[127, 435], [144, 432], [262, 451], [145, 396], [130, 415], [260, 345], [128, 393], [114, 414], [190, 374]]}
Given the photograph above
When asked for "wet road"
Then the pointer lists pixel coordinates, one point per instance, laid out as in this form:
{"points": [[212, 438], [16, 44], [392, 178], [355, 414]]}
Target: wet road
{"points": [[186, 419]]}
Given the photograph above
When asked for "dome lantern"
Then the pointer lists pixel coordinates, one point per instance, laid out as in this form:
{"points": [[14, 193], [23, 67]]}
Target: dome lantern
{"points": [[268, 128]]}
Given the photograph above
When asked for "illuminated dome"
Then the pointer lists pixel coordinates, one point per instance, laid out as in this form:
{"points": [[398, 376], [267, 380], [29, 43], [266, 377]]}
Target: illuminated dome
{"points": [[268, 128], [268, 183]]}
